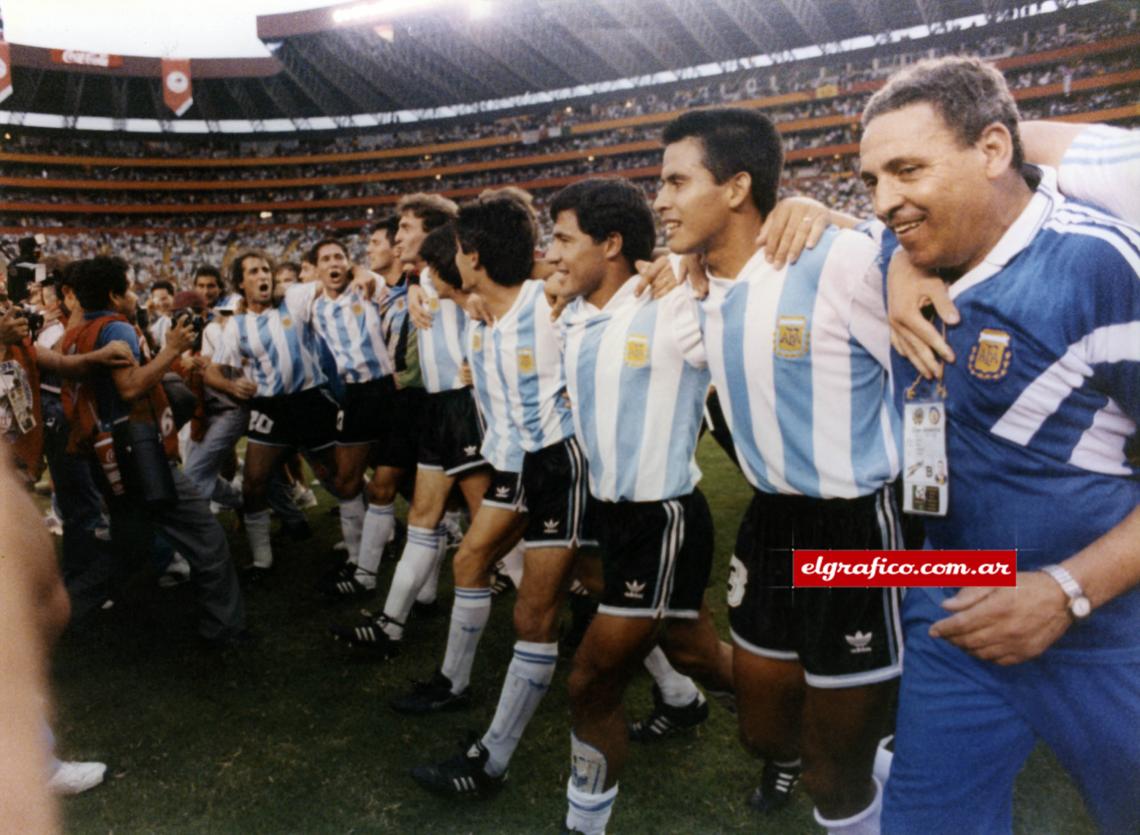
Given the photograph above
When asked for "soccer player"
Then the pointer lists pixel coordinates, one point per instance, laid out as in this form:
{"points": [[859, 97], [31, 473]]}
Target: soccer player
{"points": [[498, 525], [496, 259], [637, 374], [799, 357], [274, 356], [1041, 407], [346, 318], [450, 434], [394, 453]]}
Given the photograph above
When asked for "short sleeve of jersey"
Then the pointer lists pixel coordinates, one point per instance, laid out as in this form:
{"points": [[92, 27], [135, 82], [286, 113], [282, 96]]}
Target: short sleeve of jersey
{"points": [[1108, 336], [381, 288], [679, 315], [299, 300], [228, 353], [121, 332], [869, 323], [1102, 167], [211, 339]]}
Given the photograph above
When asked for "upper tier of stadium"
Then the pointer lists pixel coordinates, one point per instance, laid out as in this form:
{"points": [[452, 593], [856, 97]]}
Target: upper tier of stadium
{"points": [[1079, 64]]}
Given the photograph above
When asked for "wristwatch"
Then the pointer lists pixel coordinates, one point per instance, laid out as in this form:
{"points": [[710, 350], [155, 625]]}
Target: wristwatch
{"points": [[1079, 605]]}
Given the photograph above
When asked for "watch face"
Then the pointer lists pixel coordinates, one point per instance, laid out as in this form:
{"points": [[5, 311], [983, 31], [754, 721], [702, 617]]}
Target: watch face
{"points": [[1081, 607]]}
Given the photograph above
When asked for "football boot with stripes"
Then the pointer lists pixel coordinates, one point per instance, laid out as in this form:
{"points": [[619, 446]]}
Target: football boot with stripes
{"points": [[777, 782], [666, 721], [368, 635], [464, 775]]}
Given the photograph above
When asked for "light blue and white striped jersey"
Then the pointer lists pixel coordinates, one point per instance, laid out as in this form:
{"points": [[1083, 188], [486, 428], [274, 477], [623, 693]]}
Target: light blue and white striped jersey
{"points": [[516, 366], [441, 347], [1102, 167], [276, 349], [350, 327], [393, 315], [800, 358], [638, 379]]}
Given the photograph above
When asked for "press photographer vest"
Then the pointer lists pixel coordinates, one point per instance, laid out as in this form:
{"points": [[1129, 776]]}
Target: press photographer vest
{"points": [[27, 447], [81, 407]]}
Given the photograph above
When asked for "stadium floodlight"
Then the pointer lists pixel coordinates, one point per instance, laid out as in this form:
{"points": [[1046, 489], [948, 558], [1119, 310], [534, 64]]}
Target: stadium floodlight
{"points": [[383, 9], [479, 9]]}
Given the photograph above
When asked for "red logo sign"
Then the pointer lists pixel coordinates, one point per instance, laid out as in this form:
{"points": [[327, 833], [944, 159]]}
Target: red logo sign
{"points": [[879, 569], [5, 72], [176, 91]]}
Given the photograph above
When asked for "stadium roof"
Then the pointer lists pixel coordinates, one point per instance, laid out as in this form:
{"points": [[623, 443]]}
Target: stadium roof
{"points": [[382, 61]]}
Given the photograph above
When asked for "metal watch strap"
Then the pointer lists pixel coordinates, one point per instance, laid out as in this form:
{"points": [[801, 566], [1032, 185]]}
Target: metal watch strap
{"points": [[1071, 588]]}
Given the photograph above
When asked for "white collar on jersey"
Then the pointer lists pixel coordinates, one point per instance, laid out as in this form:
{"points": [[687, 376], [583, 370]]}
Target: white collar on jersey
{"points": [[579, 310], [1041, 206], [757, 263]]}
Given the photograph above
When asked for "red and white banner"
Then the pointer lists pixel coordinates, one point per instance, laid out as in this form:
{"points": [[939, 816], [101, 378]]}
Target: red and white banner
{"points": [[5, 71], [86, 59], [176, 90], [878, 569]]}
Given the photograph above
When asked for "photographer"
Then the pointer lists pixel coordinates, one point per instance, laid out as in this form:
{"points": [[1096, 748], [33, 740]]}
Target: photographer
{"points": [[21, 418], [125, 410]]}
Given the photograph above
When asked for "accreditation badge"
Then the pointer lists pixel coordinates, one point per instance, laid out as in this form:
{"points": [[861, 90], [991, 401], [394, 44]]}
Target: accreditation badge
{"points": [[17, 412], [926, 474]]}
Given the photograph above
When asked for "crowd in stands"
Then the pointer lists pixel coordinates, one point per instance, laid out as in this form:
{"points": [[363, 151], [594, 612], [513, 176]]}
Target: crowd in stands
{"points": [[171, 249], [1015, 38]]}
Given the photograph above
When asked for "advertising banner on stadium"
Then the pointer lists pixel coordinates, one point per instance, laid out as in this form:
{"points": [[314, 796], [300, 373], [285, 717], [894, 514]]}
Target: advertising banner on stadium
{"points": [[5, 72], [176, 91], [86, 59]]}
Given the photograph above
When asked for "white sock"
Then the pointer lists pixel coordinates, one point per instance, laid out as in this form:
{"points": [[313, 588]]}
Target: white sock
{"points": [[883, 760], [528, 678], [676, 689], [411, 572], [588, 812], [379, 527], [430, 589], [352, 525], [257, 529], [469, 616], [512, 563], [861, 823]]}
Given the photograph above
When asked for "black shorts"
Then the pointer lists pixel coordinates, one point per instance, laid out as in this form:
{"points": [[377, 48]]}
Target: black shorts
{"points": [[657, 556], [843, 637], [398, 446], [556, 495], [451, 433], [363, 411], [505, 492], [305, 420]]}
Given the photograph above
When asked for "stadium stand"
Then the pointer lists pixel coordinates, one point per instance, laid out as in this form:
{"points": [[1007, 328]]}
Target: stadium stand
{"points": [[86, 192]]}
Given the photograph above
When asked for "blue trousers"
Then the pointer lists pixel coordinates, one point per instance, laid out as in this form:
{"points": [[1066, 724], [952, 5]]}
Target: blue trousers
{"points": [[966, 727]]}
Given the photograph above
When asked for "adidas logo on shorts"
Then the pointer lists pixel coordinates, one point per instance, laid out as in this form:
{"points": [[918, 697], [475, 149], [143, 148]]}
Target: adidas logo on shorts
{"points": [[859, 642], [634, 590]]}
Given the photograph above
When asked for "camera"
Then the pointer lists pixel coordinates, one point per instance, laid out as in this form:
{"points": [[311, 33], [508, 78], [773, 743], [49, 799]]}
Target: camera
{"points": [[25, 269], [196, 320], [34, 319]]}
